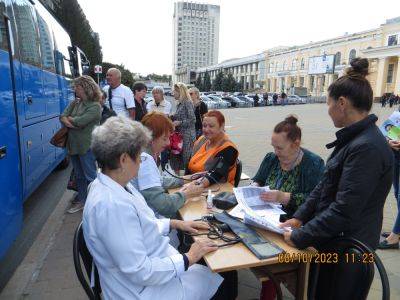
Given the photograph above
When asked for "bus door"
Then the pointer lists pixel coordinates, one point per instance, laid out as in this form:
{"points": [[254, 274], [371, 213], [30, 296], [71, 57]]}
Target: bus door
{"points": [[10, 167]]}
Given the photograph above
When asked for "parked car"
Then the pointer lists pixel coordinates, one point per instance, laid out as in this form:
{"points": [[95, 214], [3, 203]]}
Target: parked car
{"points": [[234, 101], [249, 101], [295, 99], [221, 103], [148, 97], [210, 103]]}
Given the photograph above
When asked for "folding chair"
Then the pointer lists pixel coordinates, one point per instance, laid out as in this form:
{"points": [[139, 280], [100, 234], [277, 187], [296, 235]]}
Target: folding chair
{"points": [[81, 253]]}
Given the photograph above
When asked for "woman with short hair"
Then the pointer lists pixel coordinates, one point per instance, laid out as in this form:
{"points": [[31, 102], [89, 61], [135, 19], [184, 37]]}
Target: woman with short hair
{"points": [[214, 154], [80, 116], [149, 182], [129, 245], [158, 103], [200, 109], [184, 121]]}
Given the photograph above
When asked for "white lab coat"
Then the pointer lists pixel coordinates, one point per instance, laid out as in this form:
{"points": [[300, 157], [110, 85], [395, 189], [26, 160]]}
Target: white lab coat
{"points": [[132, 252]]}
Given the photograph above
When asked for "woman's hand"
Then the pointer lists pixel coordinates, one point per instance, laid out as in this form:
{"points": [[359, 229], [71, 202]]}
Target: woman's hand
{"points": [[200, 248], [276, 196], [286, 237], [192, 190], [292, 223], [67, 122], [395, 145], [189, 226]]}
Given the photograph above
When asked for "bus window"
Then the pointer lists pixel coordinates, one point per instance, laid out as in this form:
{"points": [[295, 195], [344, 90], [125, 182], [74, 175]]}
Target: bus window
{"points": [[46, 44], [27, 32], [62, 42]]}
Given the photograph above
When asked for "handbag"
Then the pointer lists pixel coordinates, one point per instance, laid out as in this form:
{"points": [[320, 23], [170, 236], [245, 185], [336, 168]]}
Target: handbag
{"points": [[176, 143], [72, 182], [59, 139]]}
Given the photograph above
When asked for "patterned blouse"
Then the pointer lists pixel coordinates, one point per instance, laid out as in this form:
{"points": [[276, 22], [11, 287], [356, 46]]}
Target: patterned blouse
{"points": [[299, 182]]}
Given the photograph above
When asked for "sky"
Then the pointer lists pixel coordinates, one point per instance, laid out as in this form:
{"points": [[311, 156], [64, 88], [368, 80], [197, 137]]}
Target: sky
{"points": [[139, 33]]}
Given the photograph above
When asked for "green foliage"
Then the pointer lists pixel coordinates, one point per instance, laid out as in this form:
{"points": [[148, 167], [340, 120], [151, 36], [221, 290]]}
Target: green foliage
{"points": [[217, 83], [71, 16], [126, 75], [159, 78], [199, 83], [206, 82], [228, 83]]}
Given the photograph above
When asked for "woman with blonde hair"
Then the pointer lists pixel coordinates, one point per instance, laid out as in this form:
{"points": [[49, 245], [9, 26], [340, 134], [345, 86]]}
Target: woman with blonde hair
{"points": [[200, 109], [80, 116], [184, 121]]}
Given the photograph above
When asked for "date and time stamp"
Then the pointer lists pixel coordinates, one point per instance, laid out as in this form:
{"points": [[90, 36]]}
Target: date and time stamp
{"points": [[326, 258]]}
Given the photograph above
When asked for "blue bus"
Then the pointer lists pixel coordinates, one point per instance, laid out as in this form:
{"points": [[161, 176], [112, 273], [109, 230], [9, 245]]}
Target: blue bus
{"points": [[37, 64]]}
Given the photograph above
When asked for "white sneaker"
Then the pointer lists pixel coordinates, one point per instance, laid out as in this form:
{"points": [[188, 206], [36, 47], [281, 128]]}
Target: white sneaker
{"points": [[75, 208]]}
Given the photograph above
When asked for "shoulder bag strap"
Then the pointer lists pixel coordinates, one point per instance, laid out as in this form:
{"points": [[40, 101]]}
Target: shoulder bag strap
{"points": [[109, 97]]}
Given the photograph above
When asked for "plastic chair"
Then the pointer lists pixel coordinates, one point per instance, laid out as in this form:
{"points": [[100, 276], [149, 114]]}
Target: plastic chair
{"points": [[238, 172], [332, 284], [81, 252]]}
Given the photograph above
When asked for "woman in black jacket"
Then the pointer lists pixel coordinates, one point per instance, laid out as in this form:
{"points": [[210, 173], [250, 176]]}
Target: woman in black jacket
{"points": [[350, 197]]}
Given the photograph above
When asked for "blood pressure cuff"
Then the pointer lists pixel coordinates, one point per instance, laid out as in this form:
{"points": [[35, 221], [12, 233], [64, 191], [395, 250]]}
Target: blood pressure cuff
{"points": [[257, 244]]}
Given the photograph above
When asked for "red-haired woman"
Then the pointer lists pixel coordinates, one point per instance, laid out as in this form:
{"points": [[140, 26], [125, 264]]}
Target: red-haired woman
{"points": [[214, 153], [149, 181]]}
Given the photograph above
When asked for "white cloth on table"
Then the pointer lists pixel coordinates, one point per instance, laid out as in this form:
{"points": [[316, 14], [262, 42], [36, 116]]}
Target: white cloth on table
{"points": [[132, 252]]}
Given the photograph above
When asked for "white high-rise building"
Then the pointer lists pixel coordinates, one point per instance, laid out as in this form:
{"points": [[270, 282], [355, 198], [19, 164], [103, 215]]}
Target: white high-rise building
{"points": [[196, 38]]}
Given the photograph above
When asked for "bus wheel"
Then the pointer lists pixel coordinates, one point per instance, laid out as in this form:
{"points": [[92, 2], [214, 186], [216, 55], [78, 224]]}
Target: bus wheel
{"points": [[64, 163]]}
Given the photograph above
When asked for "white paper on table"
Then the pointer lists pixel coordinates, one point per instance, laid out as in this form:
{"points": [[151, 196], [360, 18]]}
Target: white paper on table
{"points": [[237, 212], [268, 223], [254, 202]]}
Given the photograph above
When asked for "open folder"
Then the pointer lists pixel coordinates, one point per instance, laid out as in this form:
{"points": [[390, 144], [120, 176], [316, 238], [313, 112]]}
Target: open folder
{"points": [[256, 212]]}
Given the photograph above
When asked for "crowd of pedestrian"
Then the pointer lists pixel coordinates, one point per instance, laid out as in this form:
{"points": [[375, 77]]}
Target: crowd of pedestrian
{"points": [[129, 220]]}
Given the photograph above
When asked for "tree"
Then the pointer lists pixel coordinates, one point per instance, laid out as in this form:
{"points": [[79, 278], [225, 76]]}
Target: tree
{"points": [[126, 75], [239, 86], [199, 83], [229, 83], [71, 16], [206, 82], [217, 83]]}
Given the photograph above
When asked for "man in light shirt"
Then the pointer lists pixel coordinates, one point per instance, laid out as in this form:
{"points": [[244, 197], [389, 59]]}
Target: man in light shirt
{"points": [[119, 97], [159, 104]]}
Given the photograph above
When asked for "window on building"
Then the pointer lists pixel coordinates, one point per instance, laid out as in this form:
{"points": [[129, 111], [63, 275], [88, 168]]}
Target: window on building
{"points": [[390, 73], [301, 82], [302, 64], [352, 55], [27, 33], [294, 64], [284, 66], [338, 58], [393, 40]]}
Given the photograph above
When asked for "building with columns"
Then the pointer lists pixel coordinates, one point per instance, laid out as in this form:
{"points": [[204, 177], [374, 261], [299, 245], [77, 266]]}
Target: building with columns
{"points": [[249, 71], [287, 67]]}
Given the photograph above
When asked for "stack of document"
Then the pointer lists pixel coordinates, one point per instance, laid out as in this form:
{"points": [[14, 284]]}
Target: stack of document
{"points": [[256, 212]]}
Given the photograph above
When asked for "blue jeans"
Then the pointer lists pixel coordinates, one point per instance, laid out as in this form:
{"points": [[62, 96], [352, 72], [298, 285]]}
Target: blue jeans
{"points": [[396, 178], [85, 172]]}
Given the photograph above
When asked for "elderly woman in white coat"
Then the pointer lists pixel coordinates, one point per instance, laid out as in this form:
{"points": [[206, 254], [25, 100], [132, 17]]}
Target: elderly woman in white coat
{"points": [[129, 245]]}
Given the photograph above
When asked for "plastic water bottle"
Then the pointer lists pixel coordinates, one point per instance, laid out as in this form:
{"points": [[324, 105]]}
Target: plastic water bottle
{"points": [[209, 200]]}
